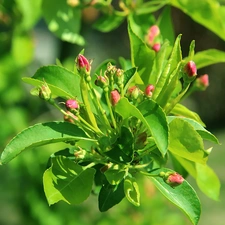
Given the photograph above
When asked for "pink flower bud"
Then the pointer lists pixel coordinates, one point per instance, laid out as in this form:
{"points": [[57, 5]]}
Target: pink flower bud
{"points": [[114, 97], [174, 179], [72, 104], [149, 89], [133, 92], [152, 33], [102, 81], [83, 63], [190, 69], [203, 80], [156, 47]]}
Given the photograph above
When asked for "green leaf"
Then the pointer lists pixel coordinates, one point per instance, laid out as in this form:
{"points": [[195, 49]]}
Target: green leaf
{"points": [[208, 13], [166, 25], [128, 77], [62, 82], [141, 55], [41, 134], [208, 181], [172, 64], [181, 110], [110, 195], [109, 22], [131, 190], [183, 196], [152, 117], [205, 134], [208, 57], [184, 141], [63, 20], [115, 174], [67, 181]]}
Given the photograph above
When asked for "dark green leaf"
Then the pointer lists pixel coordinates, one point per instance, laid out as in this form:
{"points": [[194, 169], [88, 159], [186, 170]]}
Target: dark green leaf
{"points": [[115, 174], [128, 75], [63, 20], [152, 117], [67, 181], [110, 195], [41, 134], [183, 196], [185, 141]]}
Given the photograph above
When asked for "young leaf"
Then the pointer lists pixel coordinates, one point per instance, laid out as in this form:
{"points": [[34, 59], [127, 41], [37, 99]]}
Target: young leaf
{"points": [[115, 175], [61, 81], [183, 196], [128, 75], [185, 142], [110, 195], [41, 134], [67, 181], [131, 190], [152, 117]]}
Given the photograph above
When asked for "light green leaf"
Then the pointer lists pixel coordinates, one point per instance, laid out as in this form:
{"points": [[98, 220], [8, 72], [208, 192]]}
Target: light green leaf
{"points": [[208, 181], [67, 181], [205, 134], [131, 190], [62, 82], [63, 20], [185, 142], [152, 117], [183, 196], [208, 13], [183, 111], [208, 57], [41, 134]]}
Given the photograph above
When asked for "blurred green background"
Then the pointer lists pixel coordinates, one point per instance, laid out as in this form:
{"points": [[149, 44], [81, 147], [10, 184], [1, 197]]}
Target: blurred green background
{"points": [[25, 45]]}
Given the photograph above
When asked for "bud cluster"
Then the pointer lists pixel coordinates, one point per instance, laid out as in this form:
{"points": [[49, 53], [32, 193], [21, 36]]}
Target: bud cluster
{"points": [[153, 38]]}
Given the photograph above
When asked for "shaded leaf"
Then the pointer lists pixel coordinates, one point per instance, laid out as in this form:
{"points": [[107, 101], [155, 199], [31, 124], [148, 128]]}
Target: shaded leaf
{"points": [[67, 181]]}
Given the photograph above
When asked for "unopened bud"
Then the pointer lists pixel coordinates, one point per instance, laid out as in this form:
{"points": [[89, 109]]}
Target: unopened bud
{"points": [[72, 104], [83, 64], [44, 92], [202, 82], [149, 89], [114, 97], [173, 179], [133, 92], [70, 117], [156, 47], [152, 34], [190, 69], [102, 81]]}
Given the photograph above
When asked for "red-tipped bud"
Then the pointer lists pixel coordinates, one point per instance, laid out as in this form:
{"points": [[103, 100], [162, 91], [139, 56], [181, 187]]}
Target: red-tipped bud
{"points": [[72, 104], [202, 82], [45, 92], [70, 117], [190, 69], [152, 33], [114, 97], [83, 64], [102, 81], [133, 92], [149, 89], [174, 179], [156, 47]]}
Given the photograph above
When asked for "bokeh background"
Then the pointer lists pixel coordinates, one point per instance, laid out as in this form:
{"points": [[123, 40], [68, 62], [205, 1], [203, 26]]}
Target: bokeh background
{"points": [[22, 52]]}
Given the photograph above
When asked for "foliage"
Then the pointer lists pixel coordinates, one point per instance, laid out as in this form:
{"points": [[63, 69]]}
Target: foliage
{"points": [[120, 129]]}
